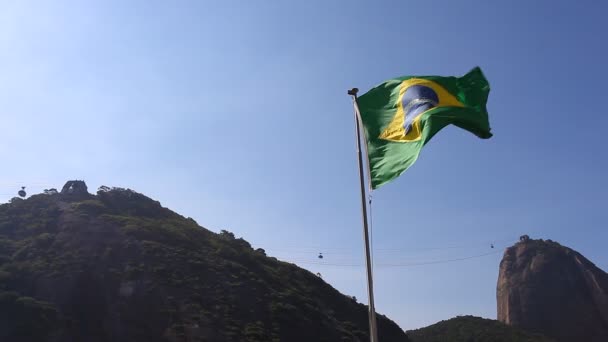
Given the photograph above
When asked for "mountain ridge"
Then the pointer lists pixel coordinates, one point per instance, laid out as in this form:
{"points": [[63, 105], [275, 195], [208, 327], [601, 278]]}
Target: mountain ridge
{"points": [[117, 266], [473, 329]]}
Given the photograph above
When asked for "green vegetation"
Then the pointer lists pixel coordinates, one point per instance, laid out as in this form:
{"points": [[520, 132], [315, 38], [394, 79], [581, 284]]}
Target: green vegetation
{"points": [[472, 329], [119, 266], [25, 319]]}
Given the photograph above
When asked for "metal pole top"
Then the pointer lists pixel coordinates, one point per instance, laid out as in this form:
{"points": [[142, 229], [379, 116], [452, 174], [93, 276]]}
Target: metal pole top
{"points": [[353, 92]]}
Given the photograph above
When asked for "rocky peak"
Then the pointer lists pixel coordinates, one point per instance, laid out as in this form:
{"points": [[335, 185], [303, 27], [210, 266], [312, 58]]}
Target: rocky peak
{"points": [[549, 288], [75, 187]]}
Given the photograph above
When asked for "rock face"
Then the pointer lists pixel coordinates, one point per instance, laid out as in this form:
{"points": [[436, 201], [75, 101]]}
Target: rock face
{"points": [[548, 288], [75, 188]]}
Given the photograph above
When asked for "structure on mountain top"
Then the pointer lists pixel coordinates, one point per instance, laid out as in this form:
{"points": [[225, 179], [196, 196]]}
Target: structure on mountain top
{"points": [[74, 187]]}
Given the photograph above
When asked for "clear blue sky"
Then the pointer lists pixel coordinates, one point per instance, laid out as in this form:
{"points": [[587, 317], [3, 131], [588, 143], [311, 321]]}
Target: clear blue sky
{"points": [[236, 114]]}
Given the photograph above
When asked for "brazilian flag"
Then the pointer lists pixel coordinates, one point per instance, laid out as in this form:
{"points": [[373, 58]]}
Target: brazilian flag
{"points": [[401, 115]]}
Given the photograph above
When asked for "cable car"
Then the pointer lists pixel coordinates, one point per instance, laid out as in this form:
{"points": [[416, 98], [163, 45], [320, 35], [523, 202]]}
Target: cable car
{"points": [[491, 245], [320, 255], [21, 192]]}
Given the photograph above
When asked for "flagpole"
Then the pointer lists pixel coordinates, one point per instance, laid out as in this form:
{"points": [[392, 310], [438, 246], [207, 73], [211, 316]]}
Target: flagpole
{"points": [[373, 331]]}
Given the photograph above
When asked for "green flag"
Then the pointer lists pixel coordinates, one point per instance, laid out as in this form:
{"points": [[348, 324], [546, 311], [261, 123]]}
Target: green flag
{"points": [[401, 115]]}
